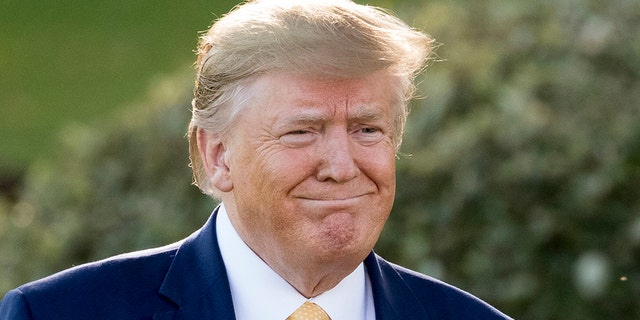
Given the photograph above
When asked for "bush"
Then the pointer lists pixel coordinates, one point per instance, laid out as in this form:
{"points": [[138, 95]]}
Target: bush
{"points": [[110, 188], [523, 184]]}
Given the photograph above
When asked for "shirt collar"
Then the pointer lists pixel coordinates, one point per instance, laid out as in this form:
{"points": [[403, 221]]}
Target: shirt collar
{"points": [[258, 292]]}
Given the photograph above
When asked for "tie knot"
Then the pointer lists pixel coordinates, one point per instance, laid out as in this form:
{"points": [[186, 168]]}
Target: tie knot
{"points": [[309, 311]]}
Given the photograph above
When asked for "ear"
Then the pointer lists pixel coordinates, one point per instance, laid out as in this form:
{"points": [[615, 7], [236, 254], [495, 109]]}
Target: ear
{"points": [[213, 154]]}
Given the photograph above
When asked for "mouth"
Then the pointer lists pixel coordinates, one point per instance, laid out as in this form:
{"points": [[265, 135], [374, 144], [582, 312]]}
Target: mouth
{"points": [[335, 198]]}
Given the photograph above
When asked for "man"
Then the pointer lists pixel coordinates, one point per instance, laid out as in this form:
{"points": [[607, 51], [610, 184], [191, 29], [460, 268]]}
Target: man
{"points": [[298, 113]]}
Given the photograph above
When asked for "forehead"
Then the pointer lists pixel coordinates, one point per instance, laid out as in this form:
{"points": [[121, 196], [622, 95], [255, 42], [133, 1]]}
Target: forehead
{"points": [[290, 91]]}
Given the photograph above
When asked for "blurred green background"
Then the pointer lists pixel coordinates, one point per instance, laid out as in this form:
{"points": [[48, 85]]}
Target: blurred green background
{"points": [[79, 61], [520, 181]]}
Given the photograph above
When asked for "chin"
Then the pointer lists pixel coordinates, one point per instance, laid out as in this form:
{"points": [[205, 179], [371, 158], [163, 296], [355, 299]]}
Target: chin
{"points": [[345, 243]]}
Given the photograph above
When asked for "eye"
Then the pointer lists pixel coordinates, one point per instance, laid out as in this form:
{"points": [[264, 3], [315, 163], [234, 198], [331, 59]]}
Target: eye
{"points": [[368, 135], [298, 132], [369, 130], [298, 138]]}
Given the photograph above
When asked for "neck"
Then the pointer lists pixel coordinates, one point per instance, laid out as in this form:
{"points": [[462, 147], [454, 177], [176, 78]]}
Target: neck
{"points": [[311, 281]]}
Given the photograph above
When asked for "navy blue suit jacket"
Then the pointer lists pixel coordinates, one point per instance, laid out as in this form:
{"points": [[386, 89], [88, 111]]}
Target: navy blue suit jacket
{"points": [[187, 280]]}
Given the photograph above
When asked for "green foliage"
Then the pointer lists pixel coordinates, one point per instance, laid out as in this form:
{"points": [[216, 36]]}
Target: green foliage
{"points": [[110, 188], [521, 183]]}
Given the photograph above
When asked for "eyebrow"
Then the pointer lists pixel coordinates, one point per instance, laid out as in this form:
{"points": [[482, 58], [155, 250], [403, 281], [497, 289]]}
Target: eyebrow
{"points": [[368, 115], [306, 118], [311, 116]]}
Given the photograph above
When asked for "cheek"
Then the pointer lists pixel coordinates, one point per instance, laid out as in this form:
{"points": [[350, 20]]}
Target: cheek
{"points": [[292, 165], [276, 173], [380, 166]]}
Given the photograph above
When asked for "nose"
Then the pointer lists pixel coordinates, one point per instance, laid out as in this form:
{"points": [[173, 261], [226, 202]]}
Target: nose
{"points": [[337, 161]]}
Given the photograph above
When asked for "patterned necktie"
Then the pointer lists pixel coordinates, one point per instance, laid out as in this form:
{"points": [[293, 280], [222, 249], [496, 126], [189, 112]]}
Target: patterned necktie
{"points": [[309, 311]]}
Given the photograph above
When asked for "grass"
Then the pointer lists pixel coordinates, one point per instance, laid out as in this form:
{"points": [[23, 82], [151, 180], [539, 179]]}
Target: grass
{"points": [[81, 61]]}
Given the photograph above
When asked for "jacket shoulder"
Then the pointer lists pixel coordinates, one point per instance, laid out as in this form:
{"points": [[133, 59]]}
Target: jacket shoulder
{"points": [[120, 284], [440, 300], [15, 306]]}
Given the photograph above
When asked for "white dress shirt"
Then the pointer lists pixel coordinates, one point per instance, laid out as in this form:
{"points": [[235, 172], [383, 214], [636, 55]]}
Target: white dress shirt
{"points": [[260, 293]]}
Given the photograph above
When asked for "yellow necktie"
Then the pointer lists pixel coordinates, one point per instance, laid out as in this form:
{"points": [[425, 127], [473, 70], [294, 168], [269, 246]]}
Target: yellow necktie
{"points": [[309, 311]]}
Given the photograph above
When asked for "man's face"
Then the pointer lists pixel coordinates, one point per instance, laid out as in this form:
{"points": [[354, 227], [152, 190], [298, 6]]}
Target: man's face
{"points": [[312, 167]]}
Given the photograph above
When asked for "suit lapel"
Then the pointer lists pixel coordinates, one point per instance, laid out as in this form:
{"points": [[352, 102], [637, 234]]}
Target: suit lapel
{"points": [[392, 296], [197, 280]]}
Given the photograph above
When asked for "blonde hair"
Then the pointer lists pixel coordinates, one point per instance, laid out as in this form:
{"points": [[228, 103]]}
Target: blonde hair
{"points": [[336, 38]]}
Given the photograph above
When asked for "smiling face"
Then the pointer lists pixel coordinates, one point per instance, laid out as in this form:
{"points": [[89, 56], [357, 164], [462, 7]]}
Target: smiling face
{"points": [[309, 168]]}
